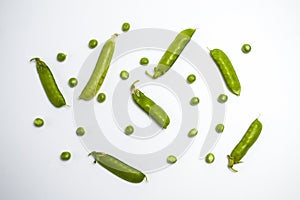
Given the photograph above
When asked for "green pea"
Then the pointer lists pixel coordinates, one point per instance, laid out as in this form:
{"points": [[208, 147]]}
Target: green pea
{"points": [[65, 155], [194, 101], [219, 128], [193, 132], [73, 82], [144, 61], [171, 159], [93, 43], [124, 75], [222, 98], [129, 130], [38, 122], [210, 158], [246, 48], [101, 97], [61, 57], [125, 27], [191, 78], [80, 131]]}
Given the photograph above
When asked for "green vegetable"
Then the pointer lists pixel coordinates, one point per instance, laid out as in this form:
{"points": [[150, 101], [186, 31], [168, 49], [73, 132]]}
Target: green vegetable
{"points": [[150, 107], [100, 70], [191, 78], [194, 101], [38, 122], [101, 97], [245, 143], [73, 82], [171, 159], [118, 168], [61, 57], [124, 75], [193, 132], [227, 71], [48, 82], [172, 53], [80, 131], [125, 27], [129, 130], [144, 61], [210, 158], [219, 128], [65, 155], [246, 48], [222, 98], [93, 43]]}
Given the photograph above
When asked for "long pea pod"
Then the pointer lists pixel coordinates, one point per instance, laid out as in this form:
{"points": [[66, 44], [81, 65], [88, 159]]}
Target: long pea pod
{"points": [[150, 107], [245, 143], [226, 68], [49, 84], [118, 168], [172, 53], [100, 70]]}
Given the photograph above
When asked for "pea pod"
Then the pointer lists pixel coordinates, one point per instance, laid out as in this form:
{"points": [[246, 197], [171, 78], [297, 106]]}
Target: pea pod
{"points": [[227, 71], [100, 70], [118, 167], [150, 107], [244, 145], [172, 53], [49, 84]]}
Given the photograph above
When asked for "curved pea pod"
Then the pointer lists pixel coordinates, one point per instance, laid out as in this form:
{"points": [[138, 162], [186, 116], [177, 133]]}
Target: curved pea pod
{"points": [[226, 68], [244, 145], [100, 70], [150, 107], [172, 52], [118, 168], [49, 84]]}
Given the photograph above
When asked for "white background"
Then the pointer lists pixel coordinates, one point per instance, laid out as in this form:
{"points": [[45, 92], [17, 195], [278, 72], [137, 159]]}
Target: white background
{"points": [[30, 166]]}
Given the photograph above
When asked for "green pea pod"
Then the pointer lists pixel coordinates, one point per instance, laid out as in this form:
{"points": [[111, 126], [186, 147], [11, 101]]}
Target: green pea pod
{"points": [[227, 71], [118, 167], [150, 107], [172, 53], [48, 82], [244, 145], [100, 70]]}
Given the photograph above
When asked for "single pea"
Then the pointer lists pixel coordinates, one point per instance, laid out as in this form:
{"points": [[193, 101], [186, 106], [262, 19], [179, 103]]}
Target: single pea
{"points": [[125, 27], [222, 98], [124, 75], [80, 131], [65, 155], [93, 43], [220, 128], [194, 101], [246, 48], [101, 97], [38, 122], [73, 82], [210, 158], [129, 130], [61, 57], [171, 159], [193, 132], [191, 78], [144, 61]]}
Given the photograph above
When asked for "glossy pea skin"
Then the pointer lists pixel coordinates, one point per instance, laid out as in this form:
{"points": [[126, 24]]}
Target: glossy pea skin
{"points": [[124, 75], [38, 122], [219, 128], [245, 143], [191, 78], [129, 130], [61, 57], [226, 68], [210, 158], [193, 132], [171, 159], [150, 107], [98, 75], [118, 167], [73, 82], [246, 48], [125, 27], [49, 84], [65, 156], [93, 43], [222, 98], [144, 61], [172, 53], [80, 131], [101, 97], [194, 101]]}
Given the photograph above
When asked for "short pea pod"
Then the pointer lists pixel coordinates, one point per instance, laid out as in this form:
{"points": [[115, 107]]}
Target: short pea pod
{"points": [[49, 84], [227, 71], [150, 107], [245, 143], [172, 53], [118, 168], [100, 70]]}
